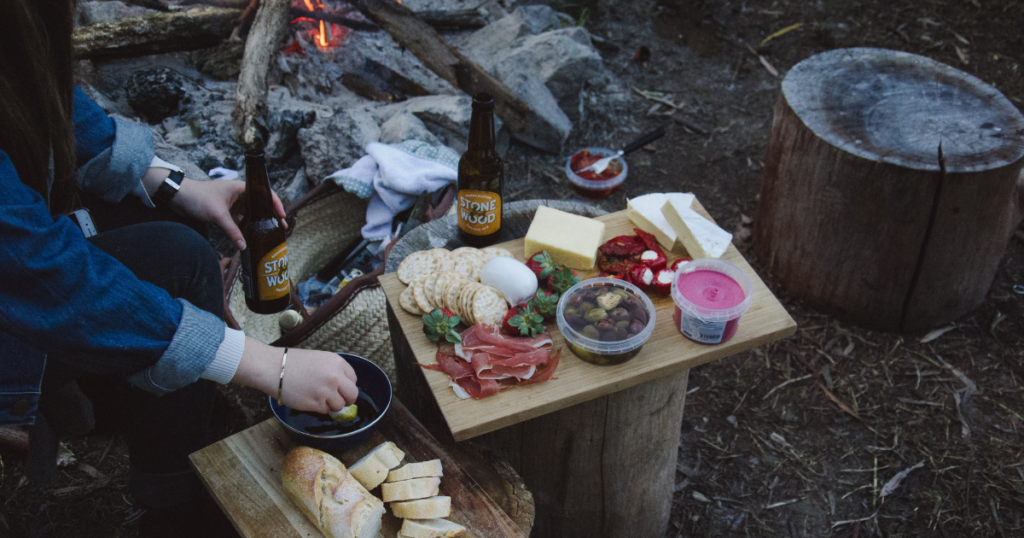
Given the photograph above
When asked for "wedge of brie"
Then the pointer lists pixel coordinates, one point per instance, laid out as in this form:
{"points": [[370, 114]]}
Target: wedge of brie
{"points": [[701, 237], [645, 212]]}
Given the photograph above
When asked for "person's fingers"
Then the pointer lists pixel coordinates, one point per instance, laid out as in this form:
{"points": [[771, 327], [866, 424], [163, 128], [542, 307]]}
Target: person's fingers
{"points": [[226, 223], [279, 209], [335, 402], [349, 391], [347, 369]]}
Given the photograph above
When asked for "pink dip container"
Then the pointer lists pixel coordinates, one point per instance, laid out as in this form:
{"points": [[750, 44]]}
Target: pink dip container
{"points": [[711, 296]]}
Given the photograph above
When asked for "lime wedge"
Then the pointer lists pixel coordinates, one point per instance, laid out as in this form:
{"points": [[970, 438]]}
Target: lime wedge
{"points": [[347, 413]]}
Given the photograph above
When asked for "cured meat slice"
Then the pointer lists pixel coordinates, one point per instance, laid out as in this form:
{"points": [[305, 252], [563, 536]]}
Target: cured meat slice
{"points": [[547, 372], [478, 388], [519, 366], [448, 363]]}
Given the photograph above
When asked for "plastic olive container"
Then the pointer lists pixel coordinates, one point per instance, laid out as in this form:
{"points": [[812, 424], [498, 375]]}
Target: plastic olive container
{"points": [[711, 296], [572, 321], [596, 188]]}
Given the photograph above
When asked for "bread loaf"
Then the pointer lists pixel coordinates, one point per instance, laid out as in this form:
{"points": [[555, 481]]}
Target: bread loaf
{"points": [[434, 507], [372, 469], [430, 528], [416, 470], [329, 496], [407, 490]]}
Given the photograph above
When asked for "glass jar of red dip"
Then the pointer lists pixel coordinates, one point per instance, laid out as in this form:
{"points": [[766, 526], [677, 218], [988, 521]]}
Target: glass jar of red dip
{"points": [[711, 296], [588, 185]]}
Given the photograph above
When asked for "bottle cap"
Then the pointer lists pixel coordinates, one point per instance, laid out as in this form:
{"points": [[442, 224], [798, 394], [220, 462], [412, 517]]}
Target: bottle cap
{"points": [[483, 99]]}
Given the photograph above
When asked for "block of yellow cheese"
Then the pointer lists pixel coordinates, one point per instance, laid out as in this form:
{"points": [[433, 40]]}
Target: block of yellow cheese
{"points": [[571, 240]]}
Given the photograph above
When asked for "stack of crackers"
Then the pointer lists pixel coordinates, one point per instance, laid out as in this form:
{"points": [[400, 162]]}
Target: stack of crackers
{"points": [[439, 278]]}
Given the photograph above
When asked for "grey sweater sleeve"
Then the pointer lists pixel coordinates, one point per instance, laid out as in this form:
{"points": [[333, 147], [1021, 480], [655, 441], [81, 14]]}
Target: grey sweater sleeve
{"points": [[116, 171], [192, 350]]}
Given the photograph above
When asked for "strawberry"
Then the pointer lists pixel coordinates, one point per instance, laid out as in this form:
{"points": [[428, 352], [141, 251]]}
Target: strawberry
{"points": [[563, 279], [522, 320], [546, 304], [542, 265], [441, 322]]}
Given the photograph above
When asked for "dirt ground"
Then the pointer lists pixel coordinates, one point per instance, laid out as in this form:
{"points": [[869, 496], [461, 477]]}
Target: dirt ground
{"points": [[802, 437]]}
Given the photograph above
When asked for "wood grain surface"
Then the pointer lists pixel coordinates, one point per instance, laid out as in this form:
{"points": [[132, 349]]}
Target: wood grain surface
{"points": [[857, 218], [666, 353], [242, 473]]}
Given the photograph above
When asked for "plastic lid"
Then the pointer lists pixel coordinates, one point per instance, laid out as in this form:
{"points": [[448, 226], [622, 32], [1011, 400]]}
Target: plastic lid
{"points": [[600, 346], [596, 185], [712, 314]]}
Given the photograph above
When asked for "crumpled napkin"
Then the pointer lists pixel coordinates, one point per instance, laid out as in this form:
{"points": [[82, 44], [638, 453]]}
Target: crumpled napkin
{"points": [[392, 176]]}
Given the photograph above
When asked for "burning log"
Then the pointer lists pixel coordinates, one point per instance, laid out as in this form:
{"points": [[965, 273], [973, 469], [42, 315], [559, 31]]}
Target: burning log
{"points": [[155, 34], [524, 123], [463, 19], [378, 82], [268, 32]]}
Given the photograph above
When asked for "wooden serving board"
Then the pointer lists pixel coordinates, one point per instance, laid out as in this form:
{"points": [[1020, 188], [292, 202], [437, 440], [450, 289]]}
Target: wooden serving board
{"points": [[666, 352], [242, 473]]}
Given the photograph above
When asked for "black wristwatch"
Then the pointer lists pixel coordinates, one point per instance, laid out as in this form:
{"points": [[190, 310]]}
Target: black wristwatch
{"points": [[168, 188]]}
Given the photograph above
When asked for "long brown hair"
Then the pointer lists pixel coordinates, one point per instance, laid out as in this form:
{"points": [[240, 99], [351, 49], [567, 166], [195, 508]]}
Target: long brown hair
{"points": [[36, 77]]}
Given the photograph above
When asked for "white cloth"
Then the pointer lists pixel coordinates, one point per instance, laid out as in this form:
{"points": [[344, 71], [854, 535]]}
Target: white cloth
{"points": [[392, 176]]}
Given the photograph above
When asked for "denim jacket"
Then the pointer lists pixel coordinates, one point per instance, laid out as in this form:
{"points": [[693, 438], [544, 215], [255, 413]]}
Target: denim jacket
{"points": [[61, 295]]}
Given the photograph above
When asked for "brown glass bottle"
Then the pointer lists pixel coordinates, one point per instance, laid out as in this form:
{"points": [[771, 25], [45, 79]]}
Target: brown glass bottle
{"points": [[481, 179], [265, 258]]}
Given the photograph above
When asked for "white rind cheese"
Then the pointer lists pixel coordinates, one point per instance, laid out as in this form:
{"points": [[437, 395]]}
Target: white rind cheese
{"points": [[645, 212], [701, 237]]}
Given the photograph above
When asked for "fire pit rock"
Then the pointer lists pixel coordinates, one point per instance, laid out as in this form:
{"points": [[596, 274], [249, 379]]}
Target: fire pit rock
{"points": [[497, 37], [335, 140], [112, 10], [158, 93], [406, 126], [447, 116]]}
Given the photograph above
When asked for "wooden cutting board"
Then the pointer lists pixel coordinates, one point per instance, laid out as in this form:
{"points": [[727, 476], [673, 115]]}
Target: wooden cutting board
{"points": [[666, 353], [242, 473]]}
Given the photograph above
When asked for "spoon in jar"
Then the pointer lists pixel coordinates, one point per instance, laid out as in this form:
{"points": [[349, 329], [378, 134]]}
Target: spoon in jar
{"points": [[603, 163]]}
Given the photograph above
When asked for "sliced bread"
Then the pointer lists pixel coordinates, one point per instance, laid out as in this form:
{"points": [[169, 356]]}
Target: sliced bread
{"points": [[372, 469], [416, 470], [430, 528], [407, 490], [434, 507]]}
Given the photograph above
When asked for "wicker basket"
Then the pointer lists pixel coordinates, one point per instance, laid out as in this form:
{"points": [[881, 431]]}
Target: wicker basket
{"points": [[354, 320]]}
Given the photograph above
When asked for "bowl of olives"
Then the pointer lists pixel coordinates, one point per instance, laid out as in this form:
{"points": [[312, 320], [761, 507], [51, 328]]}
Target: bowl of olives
{"points": [[605, 321]]}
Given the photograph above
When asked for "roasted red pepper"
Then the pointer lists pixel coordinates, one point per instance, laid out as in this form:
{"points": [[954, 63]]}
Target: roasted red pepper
{"points": [[662, 284], [623, 245], [641, 276], [649, 241], [653, 259], [618, 265]]}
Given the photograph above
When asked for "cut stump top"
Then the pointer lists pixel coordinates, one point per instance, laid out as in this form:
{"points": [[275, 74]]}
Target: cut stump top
{"points": [[896, 107]]}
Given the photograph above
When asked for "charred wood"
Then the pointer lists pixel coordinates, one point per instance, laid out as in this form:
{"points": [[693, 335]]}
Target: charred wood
{"points": [[155, 34], [268, 32]]}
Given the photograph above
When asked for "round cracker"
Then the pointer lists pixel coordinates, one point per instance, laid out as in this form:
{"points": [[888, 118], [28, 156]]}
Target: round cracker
{"points": [[466, 249], [489, 307], [408, 302], [418, 292], [497, 251], [478, 266], [440, 285], [464, 263], [444, 259], [451, 294], [416, 264], [463, 300]]}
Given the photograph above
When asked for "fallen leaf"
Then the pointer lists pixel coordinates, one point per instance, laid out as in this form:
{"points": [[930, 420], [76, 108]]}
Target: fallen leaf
{"points": [[995, 322], [771, 68], [962, 55], [934, 335], [782, 32], [698, 496], [890, 487]]}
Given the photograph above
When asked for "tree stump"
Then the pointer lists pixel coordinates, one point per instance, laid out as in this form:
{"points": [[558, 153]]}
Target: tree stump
{"points": [[889, 187]]}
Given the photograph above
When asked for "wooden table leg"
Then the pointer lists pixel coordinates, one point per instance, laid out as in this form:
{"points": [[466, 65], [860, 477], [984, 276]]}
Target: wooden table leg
{"points": [[603, 468], [600, 469]]}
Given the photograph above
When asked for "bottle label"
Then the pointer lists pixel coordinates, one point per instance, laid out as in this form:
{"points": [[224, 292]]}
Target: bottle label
{"points": [[271, 280], [479, 212]]}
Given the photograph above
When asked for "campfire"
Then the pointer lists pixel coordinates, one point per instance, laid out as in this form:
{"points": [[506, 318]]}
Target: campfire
{"points": [[324, 34]]}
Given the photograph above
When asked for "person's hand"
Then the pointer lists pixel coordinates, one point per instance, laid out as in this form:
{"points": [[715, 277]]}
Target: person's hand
{"points": [[316, 381], [211, 201]]}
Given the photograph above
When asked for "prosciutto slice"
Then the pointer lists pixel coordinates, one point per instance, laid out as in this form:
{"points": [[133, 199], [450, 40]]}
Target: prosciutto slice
{"points": [[487, 362]]}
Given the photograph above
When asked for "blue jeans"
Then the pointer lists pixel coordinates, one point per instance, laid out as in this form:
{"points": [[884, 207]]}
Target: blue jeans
{"points": [[161, 431]]}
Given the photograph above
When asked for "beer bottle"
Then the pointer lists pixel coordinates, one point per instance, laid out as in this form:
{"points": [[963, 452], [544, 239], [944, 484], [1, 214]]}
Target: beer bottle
{"points": [[265, 258], [481, 179]]}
